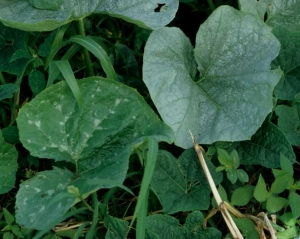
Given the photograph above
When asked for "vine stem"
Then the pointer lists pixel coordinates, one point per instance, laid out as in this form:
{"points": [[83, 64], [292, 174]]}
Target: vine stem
{"points": [[86, 54]]}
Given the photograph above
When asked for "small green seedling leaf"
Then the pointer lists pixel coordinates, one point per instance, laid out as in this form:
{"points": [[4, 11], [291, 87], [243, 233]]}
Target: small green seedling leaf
{"points": [[235, 158], [286, 165], [241, 196], [275, 204], [281, 183], [294, 200], [260, 191], [9, 218], [224, 157], [232, 175], [242, 176]]}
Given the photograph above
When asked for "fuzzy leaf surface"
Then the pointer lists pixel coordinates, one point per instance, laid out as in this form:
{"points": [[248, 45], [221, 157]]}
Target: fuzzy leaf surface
{"points": [[43, 198], [289, 122], [265, 147], [98, 139], [289, 62], [284, 13], [22, 15], [8, 165], [233, 95], [180, 183], [151, 14]]}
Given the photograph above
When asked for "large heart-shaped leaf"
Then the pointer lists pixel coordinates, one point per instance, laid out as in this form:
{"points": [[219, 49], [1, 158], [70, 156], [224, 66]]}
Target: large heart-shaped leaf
{"points": [[152, 14], [265, 147], [181, 184], [97, 139], [284, 13], [289, 122], [233, 94], [22, 15], [289, 61]]}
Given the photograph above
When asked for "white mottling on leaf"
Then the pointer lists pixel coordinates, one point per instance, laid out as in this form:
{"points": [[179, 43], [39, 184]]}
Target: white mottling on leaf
{"points": [[25, 201], [26, 186], [37, 123], [117, 102], [93, 96], [37, 190], [98, 89], [52, 145], [30, 122], [44, 148], [50, 192], [134, 117], [28, 141], [96, 122], [111, 111], [41, 209], [63, 148], [61, 123], [86, 134], [58, 106], [99, 128]]}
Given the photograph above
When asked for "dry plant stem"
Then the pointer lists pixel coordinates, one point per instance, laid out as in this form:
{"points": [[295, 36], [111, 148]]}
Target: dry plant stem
{"points": [[270, 226], [227, 217]]}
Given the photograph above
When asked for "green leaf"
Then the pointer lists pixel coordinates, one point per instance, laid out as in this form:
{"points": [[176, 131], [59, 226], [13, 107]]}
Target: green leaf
{"points": [[7, 91], [265, 147], [15, 41], [43, 198], [255, 7], [291, 232], [284, 13], [194, 222], [8, 165], [167, 227], [260, 191], [9, 218], [286, 165], [294, 200], [99, 52], [288, 60], [242, 176], [8, 235], [16, 230], [22, 15], [141, 208], [289, 122], [232, 175], [36, 82], [46, 4], [66, 70], [179, 184], [11, 134], [224, 157], [247, 227], [241, 196], [52, 126], [116, 228], [281, 183], [235, 158], [98, 139], [234, 93], [144, 13], [275, 204]]}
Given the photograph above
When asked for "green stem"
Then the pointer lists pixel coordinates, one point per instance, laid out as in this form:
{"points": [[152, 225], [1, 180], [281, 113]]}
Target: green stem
{"points": [[93, 227], [211, 5], [86, 54]]}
